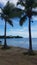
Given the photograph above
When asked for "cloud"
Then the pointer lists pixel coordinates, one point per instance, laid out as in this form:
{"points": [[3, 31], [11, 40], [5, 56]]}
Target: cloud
{"points": [[35, 9], [34, 34], [21, 7], [23, 32], [1, 32], [20, 32], [5, 1], [34, 18], [14, 1], [0, 10], [15, 33], [34, 28]]}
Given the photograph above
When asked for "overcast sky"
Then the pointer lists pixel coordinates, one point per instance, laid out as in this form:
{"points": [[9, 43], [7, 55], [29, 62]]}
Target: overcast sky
{"points": [[17, 29]]}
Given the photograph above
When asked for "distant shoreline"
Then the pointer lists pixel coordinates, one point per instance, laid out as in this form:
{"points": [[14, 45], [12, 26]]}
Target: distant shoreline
{"points": [[11, 37], [15, 37]]}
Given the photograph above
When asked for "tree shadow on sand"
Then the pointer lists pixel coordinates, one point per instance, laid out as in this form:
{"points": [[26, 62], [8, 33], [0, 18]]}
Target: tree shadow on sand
{"points": [[30, 53], [5, 48]]}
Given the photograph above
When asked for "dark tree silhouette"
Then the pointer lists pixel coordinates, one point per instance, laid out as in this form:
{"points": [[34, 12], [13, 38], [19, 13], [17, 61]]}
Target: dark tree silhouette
{"points": [[5, 14], [28, 6], [8, 12]]}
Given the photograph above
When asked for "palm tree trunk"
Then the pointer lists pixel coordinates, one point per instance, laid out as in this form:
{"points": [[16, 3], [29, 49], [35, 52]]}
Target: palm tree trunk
{"points": [[30, 40], [5, 44]]}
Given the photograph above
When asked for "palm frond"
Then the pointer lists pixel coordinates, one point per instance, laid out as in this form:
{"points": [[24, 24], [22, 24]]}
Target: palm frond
{"points": [[35, 5], [7, 19], [18, 3], [21, 3], [29, 3], [10, 22], [16, 12], [2, 16], [7, 10], [12, 11], [22, 20]]}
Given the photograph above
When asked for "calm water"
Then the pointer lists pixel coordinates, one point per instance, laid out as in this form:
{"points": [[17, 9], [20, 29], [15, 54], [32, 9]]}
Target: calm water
{"points": [[21, 42]]}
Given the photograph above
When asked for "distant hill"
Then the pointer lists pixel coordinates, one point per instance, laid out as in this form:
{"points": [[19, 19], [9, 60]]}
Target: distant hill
{"points": [[11, 37], [18, 37]]}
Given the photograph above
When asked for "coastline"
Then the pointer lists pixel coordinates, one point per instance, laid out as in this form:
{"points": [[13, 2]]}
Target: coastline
{"points": [[15, 56]]}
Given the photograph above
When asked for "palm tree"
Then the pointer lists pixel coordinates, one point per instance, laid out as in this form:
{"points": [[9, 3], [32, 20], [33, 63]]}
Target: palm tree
{"points": [[5, 14], [9, 11], [28, 6]]}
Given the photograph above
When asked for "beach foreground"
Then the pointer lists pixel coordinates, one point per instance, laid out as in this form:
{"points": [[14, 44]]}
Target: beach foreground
{"points": [[15, 56]]}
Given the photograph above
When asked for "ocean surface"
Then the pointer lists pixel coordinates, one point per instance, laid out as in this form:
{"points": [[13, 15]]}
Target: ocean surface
{"points": [[21, 42]]}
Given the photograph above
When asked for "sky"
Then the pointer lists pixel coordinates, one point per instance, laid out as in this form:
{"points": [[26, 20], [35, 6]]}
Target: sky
{"points": [[17, 29]]}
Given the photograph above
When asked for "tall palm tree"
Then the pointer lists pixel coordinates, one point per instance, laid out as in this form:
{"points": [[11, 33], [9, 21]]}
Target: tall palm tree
{"points": [[5, 14], [28, 10], [9, 11]]}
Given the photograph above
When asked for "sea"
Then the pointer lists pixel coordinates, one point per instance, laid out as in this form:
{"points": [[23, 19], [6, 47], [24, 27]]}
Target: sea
{"points": [[20, 42]]}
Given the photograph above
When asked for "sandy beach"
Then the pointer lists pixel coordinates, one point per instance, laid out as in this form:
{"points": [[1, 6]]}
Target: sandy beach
{"points": [[15, 56]]}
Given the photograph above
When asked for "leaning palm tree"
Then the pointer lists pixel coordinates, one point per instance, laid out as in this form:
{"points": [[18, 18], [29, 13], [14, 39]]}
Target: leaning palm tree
{"points": [[28, 12], [9, 11]]}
